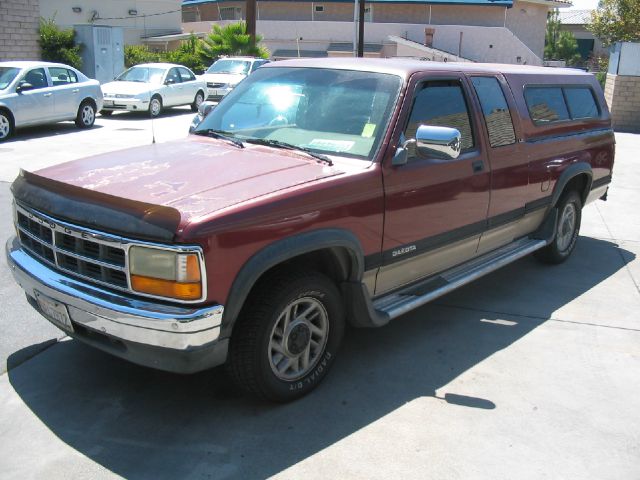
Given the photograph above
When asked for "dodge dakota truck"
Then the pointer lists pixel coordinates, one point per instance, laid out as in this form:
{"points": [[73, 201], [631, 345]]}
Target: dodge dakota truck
{"points": [[316, 194]]}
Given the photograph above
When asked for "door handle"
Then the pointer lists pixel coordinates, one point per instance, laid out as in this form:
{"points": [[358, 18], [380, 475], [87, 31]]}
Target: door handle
{"points": [[478, 166], [76, 90], [47, 94]]}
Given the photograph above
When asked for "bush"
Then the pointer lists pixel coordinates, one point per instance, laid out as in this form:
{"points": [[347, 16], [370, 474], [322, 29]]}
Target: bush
{"points": [[58, 45], [136, 54]]}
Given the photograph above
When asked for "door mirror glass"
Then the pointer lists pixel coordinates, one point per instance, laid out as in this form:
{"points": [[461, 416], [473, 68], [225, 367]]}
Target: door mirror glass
{"points": [[169, 81], [440, 142], [24, 86]]}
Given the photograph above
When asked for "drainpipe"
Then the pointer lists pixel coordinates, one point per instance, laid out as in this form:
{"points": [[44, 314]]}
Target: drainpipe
{"points": [[361, 29], [355, 28]]}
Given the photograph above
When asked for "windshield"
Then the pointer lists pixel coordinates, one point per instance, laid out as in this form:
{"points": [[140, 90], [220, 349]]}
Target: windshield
{"points": [[7, 74], [230, 66], [142, 74], [326, 111]]}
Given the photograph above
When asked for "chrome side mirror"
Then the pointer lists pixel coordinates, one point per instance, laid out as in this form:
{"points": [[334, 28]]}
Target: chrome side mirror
{"points": [[205, 107], [440, 142]]}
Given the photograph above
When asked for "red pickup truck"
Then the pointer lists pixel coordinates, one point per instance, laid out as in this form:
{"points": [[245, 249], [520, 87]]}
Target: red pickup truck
{"points": [[317, 193]]}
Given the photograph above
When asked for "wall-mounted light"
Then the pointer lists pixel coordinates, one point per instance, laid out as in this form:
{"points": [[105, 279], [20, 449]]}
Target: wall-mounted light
{"points": [[133, 11], [76, 9]]}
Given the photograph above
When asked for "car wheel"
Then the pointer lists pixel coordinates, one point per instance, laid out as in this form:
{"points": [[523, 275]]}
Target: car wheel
{"points": [[567, 229], [287, 336], [106, 113], [86, 115], [197, 101], [155, 107], [6, 126]]}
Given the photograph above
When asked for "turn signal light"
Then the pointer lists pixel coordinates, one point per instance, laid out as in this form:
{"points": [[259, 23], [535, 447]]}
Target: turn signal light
{"points": [[166, 288]]}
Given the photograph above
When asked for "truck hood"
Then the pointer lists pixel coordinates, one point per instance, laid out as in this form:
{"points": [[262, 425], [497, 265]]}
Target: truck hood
{"points": [[195, 176]]}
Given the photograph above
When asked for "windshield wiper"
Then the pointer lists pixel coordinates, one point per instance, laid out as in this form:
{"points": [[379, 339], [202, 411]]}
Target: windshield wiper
{"points": [[220, 134], [289, 146]]}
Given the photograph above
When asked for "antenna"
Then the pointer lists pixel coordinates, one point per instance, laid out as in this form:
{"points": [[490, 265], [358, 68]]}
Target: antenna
{"points": [[153, 131]]}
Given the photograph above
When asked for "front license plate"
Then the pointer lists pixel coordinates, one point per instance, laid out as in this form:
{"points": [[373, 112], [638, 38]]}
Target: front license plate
{"points": [[108, 103], [55, 312]]}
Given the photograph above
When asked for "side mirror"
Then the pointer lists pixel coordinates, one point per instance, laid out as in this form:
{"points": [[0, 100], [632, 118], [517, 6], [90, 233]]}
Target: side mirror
{"points": [[205, 107], [169, 81], [440, 142], [23, 87]]}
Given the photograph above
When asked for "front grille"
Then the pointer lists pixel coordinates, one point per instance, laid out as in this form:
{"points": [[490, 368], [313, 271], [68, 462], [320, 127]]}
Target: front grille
{"points": [[215, 85], [102, 261]]}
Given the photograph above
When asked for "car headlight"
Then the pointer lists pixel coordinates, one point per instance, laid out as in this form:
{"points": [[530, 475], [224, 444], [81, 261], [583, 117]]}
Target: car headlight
{"points": [[165, 273]]}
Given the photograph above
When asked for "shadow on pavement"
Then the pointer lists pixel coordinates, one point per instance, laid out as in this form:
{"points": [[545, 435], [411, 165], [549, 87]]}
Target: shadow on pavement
{"points": [[141, 115], [141, 423]]}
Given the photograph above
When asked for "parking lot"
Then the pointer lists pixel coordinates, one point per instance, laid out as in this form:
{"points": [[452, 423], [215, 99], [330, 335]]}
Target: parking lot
{"points": [[531, 372]]}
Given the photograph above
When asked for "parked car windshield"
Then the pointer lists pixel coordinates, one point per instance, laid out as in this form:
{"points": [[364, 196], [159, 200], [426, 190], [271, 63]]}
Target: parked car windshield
{"points": [[7, 74], [230, 66], [142, 74], [324, 110]]}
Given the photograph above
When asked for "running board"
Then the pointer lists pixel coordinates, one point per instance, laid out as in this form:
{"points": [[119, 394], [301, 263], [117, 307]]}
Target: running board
{"points": [[399, 303]]}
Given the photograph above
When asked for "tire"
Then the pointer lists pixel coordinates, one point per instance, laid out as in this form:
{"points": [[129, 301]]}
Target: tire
{"points": [[6, 125], [86, 116], [106, 113], [199, 98], [155, 107], [567, 229], [267, 358]]}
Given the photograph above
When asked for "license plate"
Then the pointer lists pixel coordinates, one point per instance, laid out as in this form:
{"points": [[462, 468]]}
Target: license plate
{"points": [[108, 103], [54, 311]]}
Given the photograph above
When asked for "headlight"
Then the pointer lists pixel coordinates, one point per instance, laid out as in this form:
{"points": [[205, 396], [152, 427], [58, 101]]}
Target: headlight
{"points": [[165, 273]]}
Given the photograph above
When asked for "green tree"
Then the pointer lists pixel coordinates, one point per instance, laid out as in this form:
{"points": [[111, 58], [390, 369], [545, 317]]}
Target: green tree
{"points": [[58, 45], [137, 54], [230, 40], [187, 54], [560, 45], [616, 21]]}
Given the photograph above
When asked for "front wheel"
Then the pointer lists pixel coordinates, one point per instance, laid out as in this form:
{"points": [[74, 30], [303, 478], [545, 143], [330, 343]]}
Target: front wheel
{"points": [[155, 107], [5, 126], [567, 229], [86, 116], [287, 336], [199, 98]]}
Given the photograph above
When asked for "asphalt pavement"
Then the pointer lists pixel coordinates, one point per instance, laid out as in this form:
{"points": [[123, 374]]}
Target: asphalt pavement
{"points": [[531, 372]]}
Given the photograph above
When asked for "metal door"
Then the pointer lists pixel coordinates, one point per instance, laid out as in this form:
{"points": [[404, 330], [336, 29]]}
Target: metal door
{"points": [[36, 105], [103, 54]]}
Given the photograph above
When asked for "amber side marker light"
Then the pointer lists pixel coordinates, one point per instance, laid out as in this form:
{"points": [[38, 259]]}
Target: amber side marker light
{"points": [[165, 273]]}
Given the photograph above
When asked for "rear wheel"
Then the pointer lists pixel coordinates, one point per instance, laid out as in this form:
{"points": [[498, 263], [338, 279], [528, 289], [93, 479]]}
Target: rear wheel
{"points": [[6, 125], [86, 115], [567, 229], [155, 107], [199, 98], [287, 336]]}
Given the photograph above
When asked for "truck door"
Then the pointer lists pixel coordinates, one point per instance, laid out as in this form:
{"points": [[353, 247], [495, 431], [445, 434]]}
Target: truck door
{"points": [[435, 209], [507, 219]]}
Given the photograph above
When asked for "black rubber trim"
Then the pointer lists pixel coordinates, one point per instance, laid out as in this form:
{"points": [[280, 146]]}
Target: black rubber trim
{"points": [[566, 176], [553, 137], [360, 311], [281, 251], [543, 202], [95, 210], [600, 182]]}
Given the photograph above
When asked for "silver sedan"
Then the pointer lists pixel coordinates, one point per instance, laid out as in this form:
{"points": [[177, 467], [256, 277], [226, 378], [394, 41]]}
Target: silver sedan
{"points": [[35, 93]]}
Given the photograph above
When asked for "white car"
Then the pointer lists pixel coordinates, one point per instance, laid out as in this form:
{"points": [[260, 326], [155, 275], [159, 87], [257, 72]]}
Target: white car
{"points": [[35, 93], [150, 87], [225, 73]]}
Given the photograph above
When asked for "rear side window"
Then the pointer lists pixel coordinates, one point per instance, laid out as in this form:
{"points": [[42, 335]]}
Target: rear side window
{"points": [[546, 104], [581, 103], [554, 104], [495, 111], [442, 104]]}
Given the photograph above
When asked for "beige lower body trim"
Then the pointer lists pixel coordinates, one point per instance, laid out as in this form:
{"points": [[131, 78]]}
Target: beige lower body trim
{"points": [[504, 234]]}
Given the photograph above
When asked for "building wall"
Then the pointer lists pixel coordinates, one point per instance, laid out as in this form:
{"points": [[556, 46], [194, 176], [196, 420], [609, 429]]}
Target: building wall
{"points": [[19, 30], [622, 93], [528, 21], [579, 31], [115, 13]]}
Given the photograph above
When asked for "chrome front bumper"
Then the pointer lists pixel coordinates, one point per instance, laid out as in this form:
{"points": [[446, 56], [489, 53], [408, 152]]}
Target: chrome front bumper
{"points": [[136, 329], [131, 104]]}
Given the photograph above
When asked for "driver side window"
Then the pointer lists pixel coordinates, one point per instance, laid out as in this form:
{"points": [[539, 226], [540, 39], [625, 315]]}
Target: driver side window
{"points": [[442, 104], [37, 78], [174, 76]]}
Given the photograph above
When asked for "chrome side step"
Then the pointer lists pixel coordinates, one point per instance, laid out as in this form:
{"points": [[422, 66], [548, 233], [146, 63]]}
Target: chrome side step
{"points": [[416, 295]]}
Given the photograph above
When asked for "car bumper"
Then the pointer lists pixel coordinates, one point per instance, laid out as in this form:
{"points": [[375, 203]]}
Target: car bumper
{"points": [[132, 104], [217, 94], [180, 339]]}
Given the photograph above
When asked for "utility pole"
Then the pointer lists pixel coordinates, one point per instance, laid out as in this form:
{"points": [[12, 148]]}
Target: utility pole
{"points": [[250, 7], [360, 29]]}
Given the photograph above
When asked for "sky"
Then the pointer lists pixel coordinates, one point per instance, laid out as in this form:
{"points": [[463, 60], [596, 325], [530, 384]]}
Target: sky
{"points": [[584, 4]]}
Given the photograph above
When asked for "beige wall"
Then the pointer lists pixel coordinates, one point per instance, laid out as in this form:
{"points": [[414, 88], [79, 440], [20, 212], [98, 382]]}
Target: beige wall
{"points": [[19, 30], [114, 13], [528, 21], [579, 31], [485, 16], [623, 97]]}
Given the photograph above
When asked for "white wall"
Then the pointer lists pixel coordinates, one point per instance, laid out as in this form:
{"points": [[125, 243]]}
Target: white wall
{"points": [[115, 13]]}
